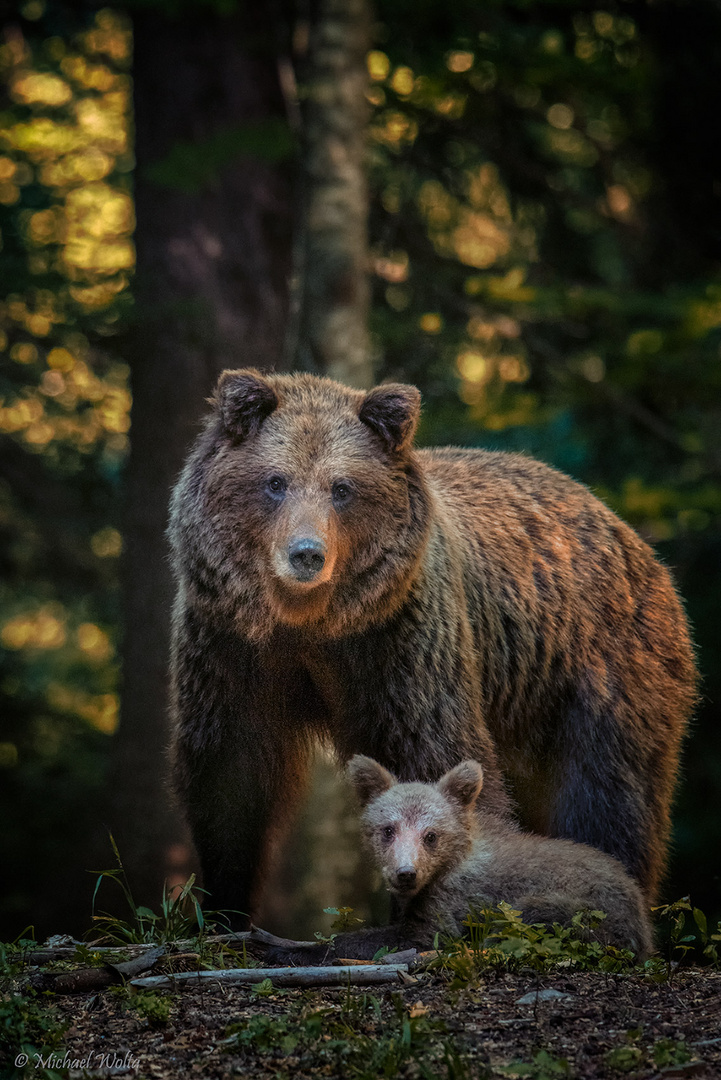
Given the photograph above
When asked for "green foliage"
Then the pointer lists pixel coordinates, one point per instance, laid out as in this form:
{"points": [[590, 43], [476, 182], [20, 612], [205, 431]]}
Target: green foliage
{"points": [[264, 989], [64, 408], [543, 1066], [180, 915], [498, 938], [683, 942], [29, 1028], [151, 1006], [361, 1041], [624, 1058], [670, 1052], [344, 920], [634, 1055]]}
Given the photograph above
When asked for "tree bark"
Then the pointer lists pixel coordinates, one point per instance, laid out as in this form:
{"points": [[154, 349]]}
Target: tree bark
{"points": [[331, 254], [211, 293]]}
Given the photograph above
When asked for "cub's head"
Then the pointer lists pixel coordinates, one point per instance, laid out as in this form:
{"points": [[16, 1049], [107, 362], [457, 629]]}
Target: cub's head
{"points": [[417, 832], [311, 491]]}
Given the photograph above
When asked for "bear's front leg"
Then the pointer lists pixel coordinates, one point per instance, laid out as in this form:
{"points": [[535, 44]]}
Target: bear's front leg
{"points": [[240, 760], [237, 800], [352, 945]]}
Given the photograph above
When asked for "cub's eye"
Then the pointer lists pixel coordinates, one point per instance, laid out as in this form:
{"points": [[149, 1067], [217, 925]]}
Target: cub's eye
{"points": [[276, 486], [342, 493], [430, 839], [388, 832]]}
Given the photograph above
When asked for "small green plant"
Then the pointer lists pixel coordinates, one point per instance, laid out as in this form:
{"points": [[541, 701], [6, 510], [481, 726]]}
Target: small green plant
{"points": [[151, 1006], [180, 916], [686, 939], [543, 1066], [498, 938], [344, 920], [29, 1033], [264, 989], [668, 1052], [357, 1042], [632, 1055], [624, 1058]]}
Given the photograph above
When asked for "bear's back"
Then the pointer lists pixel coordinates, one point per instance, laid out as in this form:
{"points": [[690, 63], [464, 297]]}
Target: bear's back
{"points": [[548, 879]]}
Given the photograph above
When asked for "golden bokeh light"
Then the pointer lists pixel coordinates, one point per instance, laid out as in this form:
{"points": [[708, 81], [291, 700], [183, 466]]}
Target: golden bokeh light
{"points": [[94, 642], [41, 629], [431, 322], [40, 88], [402, 81], [459, 61], [101, 711], [560, 116], [379, 66], [107, 543], [474, 366]]}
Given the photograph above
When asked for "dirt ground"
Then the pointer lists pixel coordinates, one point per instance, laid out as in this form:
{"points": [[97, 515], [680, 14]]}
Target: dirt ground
{"points": [[594, 1025]]}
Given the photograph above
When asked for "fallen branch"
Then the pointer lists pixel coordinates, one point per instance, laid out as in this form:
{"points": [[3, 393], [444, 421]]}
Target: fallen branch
{"points": [[287, 976], [264, 937], [68, 952], [86, 979]]}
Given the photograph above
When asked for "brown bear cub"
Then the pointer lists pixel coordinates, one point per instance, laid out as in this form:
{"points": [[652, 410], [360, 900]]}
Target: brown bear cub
{"points": [[438, 856], [422, 607]]}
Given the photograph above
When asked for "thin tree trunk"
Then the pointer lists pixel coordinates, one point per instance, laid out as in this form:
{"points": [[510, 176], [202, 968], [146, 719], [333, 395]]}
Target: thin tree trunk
{"points": [[331, 259], [211, 290]]}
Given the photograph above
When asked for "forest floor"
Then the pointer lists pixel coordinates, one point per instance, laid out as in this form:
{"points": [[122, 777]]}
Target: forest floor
{"points": [[559, 1024]]}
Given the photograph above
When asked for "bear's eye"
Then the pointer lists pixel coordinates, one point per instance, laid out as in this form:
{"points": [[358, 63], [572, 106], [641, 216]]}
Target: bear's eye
{"points": [[342, 493], [388, 832], [430, 839], [276, 486]]}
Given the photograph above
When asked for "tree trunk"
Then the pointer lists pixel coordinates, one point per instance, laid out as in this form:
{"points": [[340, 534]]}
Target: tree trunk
{"points": [[331, 253], [213, 259]]}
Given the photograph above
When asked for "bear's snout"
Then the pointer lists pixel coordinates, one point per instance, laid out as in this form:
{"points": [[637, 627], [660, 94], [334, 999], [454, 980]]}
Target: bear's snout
{"points": [[306, 556], [406, 877]]}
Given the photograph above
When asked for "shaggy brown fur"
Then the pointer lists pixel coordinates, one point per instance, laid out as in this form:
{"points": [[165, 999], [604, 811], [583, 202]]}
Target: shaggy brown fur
{"points": [[419, 606], [438, 857]]}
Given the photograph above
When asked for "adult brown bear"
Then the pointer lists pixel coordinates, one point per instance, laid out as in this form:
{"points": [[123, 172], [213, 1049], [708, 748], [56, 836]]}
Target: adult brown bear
{"points": [[421, 607]]}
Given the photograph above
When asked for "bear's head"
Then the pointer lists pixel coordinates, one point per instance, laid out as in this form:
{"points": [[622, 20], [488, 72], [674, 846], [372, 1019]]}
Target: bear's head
{"points": [[417, 832], [312, 505]]}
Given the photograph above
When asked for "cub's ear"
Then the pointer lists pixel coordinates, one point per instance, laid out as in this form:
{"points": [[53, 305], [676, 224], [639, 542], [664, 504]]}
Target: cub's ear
{"points": [[368, 778], [462, 784], [392, 411], [244, 399]]}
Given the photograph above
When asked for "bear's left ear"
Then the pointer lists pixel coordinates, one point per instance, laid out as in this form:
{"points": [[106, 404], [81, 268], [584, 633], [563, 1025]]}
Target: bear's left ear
{"points": [[392, 411], [462, 784], [243, 399], [368, 778]]}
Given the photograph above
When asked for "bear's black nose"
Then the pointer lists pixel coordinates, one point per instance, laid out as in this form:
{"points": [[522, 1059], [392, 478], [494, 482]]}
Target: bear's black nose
{"points": [[406, 877], [307, 557]]}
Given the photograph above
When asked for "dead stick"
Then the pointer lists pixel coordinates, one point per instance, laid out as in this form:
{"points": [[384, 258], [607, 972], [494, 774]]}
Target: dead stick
{"points": [[264, 937], [288, 976], [67, 952], [86, 979]]}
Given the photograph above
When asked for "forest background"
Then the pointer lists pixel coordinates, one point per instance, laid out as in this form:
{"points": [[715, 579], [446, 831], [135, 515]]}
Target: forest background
{"points": [[512, 204]]}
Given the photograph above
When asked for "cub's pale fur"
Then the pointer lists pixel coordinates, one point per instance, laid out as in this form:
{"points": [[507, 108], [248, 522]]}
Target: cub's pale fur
{"points": [[438, 855]]}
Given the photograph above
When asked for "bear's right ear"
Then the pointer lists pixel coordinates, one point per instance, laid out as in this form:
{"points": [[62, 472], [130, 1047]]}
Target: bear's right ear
{"points": [[368, 778], [462, 784], [244, 399]]}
